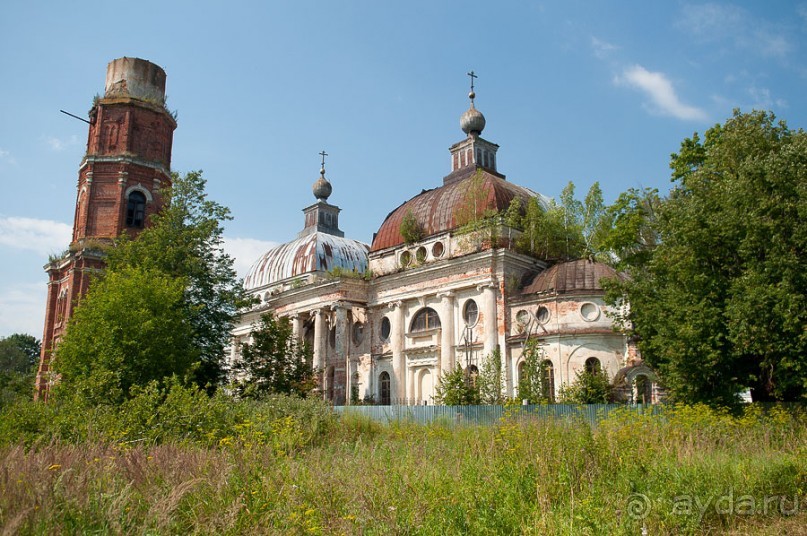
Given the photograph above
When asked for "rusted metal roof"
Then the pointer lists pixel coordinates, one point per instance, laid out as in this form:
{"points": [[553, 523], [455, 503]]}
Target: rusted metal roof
{"points": [[311, 253], [572, 276], [436, 210]]}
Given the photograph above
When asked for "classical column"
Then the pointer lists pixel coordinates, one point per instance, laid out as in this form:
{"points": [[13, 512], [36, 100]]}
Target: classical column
{"points": [[446, 333], [320, 336], [296, 326], [491, 325], [397, 344], [340, 348]]}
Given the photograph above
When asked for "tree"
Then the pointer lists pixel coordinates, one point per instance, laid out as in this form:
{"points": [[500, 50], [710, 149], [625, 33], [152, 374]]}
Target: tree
{"points": [[184, 240], [533, 384], [19, 354], [627, 234], [275, 361], [456, 388], [490, 380], [589, 387], [720, 304], [130, 328], [411, 230]]}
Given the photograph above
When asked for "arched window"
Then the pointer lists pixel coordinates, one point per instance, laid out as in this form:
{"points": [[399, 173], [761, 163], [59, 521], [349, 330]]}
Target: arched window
{"points": [[136, 210], [593, 365], [548, 380], [473, 375], [424, 320], [385, 388]]}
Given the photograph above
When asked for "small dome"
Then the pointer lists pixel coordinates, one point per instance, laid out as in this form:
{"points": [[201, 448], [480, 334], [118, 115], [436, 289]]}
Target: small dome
{"points": [[311, 253], [322, 188], [472, 121], [581, 275]]}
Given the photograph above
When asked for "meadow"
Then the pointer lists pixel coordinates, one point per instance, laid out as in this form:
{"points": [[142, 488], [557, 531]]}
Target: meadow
{"points": [[198, 465]]}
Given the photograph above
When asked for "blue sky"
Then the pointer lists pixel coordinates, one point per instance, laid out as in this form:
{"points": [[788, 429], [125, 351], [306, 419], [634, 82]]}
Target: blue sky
{"points": [[572, 91]]}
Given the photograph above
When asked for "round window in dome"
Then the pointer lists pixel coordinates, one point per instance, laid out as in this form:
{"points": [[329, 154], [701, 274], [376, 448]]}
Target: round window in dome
{"points": [[385, 329], [437, 250], [470, 313], [358, 333], [406, 259], [542, 315], [420, 254], [589, 311]]}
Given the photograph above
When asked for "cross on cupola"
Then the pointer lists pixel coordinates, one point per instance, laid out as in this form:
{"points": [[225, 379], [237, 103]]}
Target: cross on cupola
{"points": [[474, 150]]}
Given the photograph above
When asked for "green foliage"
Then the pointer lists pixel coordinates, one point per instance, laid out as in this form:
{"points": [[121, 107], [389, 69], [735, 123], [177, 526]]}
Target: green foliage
{"points": [[456, 388], [473, 217], [19, 352], [627, 234], [490, 381], [131, 328], [533, 476], [411, 230], [274, 362], [19, 355], [184, 241], [720, 304], [533, 384], [589, 387]]}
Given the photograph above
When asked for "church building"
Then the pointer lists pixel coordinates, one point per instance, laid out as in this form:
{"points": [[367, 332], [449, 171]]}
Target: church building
{"points": [[432, 293]]}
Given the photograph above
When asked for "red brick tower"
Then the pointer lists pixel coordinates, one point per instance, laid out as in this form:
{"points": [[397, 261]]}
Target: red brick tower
{"points": [[128, 161]]}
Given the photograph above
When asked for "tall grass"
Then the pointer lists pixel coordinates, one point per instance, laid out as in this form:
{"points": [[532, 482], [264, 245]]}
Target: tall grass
{"points": [[299, 471]]}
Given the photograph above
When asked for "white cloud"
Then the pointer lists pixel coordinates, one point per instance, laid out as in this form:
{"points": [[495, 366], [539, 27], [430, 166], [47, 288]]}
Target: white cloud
{"points": [[57, 144], [660, 90], [7, 157], [42, 236], [22, 309], [245, 251], [602, 48]]}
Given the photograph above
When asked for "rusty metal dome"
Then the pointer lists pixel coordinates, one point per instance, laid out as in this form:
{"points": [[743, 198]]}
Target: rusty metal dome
{"points": [[581, 275]]}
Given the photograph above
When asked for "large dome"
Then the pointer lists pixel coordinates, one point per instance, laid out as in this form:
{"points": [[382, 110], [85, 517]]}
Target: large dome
{"points": [[581, 275], [436, 210], [311, 253]]}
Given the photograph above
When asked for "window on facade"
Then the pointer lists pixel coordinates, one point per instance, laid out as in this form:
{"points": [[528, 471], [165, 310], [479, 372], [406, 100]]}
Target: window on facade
{"points": [[644, 390], [385, 329], [358, 333], [420, 254], [542, 314], [593, 365], [332, 338], [548, 380], [470, 313], [425, 319], [437, 249], [473, 375], [406, 258], [385, 388], [136, 210]]}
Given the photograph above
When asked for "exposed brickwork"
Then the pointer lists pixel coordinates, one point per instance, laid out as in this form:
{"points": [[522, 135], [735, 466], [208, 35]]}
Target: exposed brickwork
{"points": [[128, 149]]}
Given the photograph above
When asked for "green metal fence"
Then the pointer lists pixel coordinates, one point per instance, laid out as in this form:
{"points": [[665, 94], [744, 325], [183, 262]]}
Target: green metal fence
{"points": [[458, 415]]}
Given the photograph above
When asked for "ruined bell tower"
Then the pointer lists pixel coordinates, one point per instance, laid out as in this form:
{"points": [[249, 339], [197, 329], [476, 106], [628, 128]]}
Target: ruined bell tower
{"points": [[120, 179]]}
